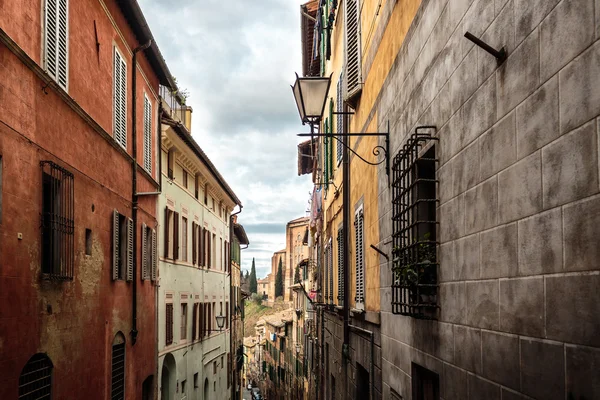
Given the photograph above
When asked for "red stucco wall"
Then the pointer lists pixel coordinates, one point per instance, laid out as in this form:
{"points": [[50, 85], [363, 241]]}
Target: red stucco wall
{"points": [[73, 322]]}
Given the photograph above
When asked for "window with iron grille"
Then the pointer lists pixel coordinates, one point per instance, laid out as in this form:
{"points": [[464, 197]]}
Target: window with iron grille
{"points": [[149, 253], [340, 260], [117, 381], [359, 258], [414, 198], [56, 46], [352, 66], [122, 247], [169, 324], [339, 102], [147, 134], [120, 99], [35, 381], [58, 226]]}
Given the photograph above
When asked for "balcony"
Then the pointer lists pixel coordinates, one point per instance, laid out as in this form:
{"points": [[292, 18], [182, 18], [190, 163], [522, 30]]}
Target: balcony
{"points": [[174, 104]]}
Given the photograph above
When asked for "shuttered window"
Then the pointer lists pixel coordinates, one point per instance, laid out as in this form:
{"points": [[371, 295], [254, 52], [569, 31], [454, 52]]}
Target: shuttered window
{"points": [[120, 99], [325, 274], [360, 259], [340, 261], [330, 262], [117, 382], [183, 330], [339, 103], [56, 46], [169, 324], [149, 253], [35, 381], [147, 135], [353, 51], [122, 243], [194, 322]]}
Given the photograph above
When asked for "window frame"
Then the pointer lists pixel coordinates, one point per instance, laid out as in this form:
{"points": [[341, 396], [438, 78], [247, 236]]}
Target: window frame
{"points": [[117, 53], [147, 129], [359, 269], [55, 74]]}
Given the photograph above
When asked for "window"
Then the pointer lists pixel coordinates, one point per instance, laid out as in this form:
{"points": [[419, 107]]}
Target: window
{"points": [[56, 45], [170, 163], [169, 324], [183, 387], [340, 260], [352, 66], [183, 321], [196, 380], [195, 331], [88, 242], [185, 179], [147, 135], [226, 315], [362, 382], [360, 258], [117, 381], [213, 252], [184, 239], [196, 188], [214, 367], [58, 227], [221, 253], [149, 253], [339, 103], [414, 194], [171, 234], [35, 381], [120, 99], [122, 247], [330, 264], [0, 189], [425, 383], [206, 194]]}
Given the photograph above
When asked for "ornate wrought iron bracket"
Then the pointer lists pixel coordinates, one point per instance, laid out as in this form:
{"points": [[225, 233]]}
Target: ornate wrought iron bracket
{"points": [[377, 150]]}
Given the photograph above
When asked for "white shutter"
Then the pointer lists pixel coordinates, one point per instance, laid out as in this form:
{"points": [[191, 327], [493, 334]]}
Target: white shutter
{"points": [[56, 40], [145, 271], [360, 266], [130, 265], [340, 250], [353, 56], [154, 255], [115, 245], [147, 135], [120, 100]]}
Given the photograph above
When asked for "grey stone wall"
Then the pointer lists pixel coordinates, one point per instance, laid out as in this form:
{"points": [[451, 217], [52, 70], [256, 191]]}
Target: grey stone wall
{"points": [[519, 206]]}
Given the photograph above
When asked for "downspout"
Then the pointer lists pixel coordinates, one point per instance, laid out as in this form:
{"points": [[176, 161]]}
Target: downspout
{"points": [[372, 366], [346, 240], [232, 307], [134, 195]]}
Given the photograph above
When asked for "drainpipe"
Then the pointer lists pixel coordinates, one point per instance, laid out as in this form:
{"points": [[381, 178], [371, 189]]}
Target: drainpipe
{"points": [[372, 363], [232, 307], [134, 195], [346, 239]]}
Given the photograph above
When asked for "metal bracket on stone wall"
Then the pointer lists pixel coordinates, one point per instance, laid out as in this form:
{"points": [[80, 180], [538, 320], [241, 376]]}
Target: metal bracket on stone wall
{"points": [[500, 55]]}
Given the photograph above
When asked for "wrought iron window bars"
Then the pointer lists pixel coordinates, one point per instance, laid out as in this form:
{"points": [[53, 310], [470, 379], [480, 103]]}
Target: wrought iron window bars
{"points": [[414, 237]]}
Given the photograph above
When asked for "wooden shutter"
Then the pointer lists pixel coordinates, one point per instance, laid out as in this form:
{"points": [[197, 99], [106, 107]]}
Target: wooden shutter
{"points": [[147, 135], [166, 232], [209, 249], [340, 262], [130, 245], [56, 40], [330, 255], [175, 235], [193, 243], [169, 324], [340, 118], [360, 268], [145, 253], [120, 99], [325, 274], [154, 256], [194, 315], [202, 320], [353, 56], [115, 245]]}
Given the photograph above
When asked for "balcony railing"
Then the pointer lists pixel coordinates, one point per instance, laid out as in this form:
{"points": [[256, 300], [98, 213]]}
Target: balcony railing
{"points": [[173, 103]]}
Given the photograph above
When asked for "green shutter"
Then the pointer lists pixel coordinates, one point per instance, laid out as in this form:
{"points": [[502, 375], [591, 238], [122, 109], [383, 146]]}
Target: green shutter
{"points": [[326, 155], [330, 159]]}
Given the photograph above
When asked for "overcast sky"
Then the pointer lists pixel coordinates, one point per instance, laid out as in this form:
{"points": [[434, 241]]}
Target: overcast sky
{"points": [[237, 59]]}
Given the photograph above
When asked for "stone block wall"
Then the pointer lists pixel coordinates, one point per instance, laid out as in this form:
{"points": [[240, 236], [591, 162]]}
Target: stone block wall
{"points": [[519, 203]]}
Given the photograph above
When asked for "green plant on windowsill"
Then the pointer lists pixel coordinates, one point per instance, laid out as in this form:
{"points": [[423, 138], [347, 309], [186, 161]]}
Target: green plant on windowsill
{"points": [[418, 265]]}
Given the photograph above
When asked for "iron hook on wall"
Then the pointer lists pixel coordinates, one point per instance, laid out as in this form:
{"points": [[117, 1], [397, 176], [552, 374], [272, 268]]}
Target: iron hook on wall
{"points": [[500, 55]]}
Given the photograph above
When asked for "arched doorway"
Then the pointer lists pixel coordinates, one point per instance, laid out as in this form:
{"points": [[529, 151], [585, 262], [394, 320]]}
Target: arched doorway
{"points": [[168, 377], [206, 389], [35, 381]]}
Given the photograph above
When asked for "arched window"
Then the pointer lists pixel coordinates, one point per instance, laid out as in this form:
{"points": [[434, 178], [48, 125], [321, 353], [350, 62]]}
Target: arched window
{"points": [[117, 381], [35, 381]]}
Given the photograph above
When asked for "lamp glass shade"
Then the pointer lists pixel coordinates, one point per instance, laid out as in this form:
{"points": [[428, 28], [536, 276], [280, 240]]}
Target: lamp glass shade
{"points": [[220, 321], [310, 94]]}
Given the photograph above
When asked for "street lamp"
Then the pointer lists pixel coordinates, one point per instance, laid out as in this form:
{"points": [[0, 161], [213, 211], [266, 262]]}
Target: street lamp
{"points": [[298, 347], [220, 321], [310, 94]]}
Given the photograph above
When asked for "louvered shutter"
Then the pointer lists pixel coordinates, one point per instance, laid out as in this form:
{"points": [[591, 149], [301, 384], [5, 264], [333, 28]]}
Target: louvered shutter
{"points": [[326, 274], [340, 259], [194, 315], [209, 248], [154, 255], [353, 51], [169, 325], [330, 272], [203, 248], [147, 135], [193, 243], [130, 245], [166, 232], [145, 250], [175, 235], [115, 243], [120, 100], [56, 40], [330, 142], [360, 269], [340, 117]]}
